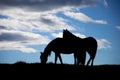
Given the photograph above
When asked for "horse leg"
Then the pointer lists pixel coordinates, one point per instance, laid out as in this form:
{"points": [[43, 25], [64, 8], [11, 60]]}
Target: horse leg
{"points": [[56, 56], [83, 58], [60, 58], [93, 57], [92, 62], [89, 61], [75, 59]]}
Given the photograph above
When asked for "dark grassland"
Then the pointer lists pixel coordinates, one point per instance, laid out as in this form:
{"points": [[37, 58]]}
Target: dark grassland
{"points": [[59, 71]]}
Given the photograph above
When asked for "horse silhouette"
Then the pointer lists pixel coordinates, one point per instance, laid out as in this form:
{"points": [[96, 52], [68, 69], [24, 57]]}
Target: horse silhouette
{"points": [[71, 44], [88, 45], [58, 46]]}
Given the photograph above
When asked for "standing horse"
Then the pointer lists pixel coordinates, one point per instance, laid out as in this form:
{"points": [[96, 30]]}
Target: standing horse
{"points": [[88, 44], [62, 46]]}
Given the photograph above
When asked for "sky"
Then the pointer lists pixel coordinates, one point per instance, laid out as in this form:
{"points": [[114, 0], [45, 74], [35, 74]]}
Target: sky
{"points": [[27, 26]]}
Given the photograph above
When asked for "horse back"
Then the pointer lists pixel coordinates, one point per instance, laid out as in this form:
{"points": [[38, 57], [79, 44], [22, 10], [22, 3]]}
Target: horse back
{"points": [[90, 44]]}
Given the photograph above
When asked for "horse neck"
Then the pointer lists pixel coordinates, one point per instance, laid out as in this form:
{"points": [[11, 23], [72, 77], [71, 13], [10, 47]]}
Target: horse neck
{"points": [[47, 50]]}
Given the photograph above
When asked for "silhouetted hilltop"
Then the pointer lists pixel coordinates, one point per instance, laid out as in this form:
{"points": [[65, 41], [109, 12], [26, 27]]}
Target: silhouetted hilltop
{"points": [[61, 67], [62, 70]]}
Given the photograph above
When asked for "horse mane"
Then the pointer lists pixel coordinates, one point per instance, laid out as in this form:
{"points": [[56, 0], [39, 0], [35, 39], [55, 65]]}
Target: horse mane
{"points": [[68, 35]]}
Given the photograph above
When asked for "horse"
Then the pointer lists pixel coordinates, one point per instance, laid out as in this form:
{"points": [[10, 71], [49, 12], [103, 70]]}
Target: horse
{"points": [[62, 46], [71, 44], [88, 44]]}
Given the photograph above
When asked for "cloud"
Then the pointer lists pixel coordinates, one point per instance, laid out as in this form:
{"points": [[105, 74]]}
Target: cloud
{"points": [[18, 26], [45, 5], [16, 16], [20, 20], [18, 40], [29, 21], [2, 27], [23, 37], [105, 3], [60, 34], [83, 18], [52, 22], [118, 27], [103, 44], [80, 35], [16, 46]]}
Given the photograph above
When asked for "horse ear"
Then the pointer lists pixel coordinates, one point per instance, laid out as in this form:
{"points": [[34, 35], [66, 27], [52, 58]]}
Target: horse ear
{"points": [[41, 52]]}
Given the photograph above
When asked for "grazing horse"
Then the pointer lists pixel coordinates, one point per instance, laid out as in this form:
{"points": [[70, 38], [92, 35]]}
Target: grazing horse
{"points": [[61, 46]]}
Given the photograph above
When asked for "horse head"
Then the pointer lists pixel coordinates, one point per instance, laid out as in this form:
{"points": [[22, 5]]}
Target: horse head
{"points": [[43, 58]]}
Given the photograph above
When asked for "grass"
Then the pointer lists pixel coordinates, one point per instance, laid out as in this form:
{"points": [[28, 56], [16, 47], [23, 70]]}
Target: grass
{"points": [[62, 70], [59, 67]]}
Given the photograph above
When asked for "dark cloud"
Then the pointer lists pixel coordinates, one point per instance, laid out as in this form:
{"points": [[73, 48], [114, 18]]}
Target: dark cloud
{"points": [[47, 21], [2, 27], [8, 36], [44, 5]]}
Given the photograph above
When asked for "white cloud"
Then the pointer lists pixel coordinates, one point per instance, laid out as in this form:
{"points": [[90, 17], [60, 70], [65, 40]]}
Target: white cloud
{"points": [[29, 21], [23, 18], [60, 34], [105, 3], [100, 21], [13, 24], [19, 27], [118, 27], [18, 40], [103, 44], [80, 35], [16, 46], [82, 17], [20, 36], [52, 22]]}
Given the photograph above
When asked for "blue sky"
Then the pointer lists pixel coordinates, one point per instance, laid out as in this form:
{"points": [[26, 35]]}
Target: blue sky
{"points": [[27, 26]]}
